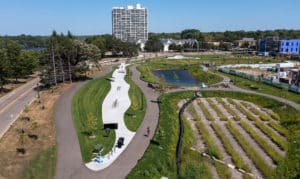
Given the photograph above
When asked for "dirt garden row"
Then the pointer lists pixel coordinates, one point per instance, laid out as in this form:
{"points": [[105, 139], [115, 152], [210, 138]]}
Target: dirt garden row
{"points": [[238, 133]]}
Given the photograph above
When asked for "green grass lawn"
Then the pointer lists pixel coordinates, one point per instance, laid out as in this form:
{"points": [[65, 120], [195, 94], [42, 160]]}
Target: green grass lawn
{"points": [[135, 114], [43, 166], [86, 112]]}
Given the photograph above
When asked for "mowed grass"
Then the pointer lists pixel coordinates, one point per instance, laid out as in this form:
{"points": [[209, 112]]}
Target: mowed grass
{"points": [[43, 166], [87, 107], [135, 114]]}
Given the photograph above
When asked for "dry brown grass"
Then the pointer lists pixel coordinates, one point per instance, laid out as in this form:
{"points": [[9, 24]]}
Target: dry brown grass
{"points": [[41, 123]]}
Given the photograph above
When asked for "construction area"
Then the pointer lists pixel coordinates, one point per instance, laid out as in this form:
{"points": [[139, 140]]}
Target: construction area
{"points": [[283, 75]]}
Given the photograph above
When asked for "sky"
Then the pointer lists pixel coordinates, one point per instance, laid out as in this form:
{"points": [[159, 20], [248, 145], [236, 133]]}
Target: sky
{"points": [[91, 17]]}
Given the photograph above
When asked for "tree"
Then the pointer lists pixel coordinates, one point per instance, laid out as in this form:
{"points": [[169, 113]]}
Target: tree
{"points": [[153, 45], [13, 51], [98, 41], [4, 68], [91, 125], [95, 55], [29, 61], [192, 34], [245, 45], [66, 58], [175, 47], [224, 46], [129, 49]]}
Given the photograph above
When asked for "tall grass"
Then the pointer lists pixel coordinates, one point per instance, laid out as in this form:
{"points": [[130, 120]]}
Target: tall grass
{"points": [[276, 157], [259, 162], [235, 116], [216, 109], [270, 133], [241, 109], [205, 111], [237, 159]]}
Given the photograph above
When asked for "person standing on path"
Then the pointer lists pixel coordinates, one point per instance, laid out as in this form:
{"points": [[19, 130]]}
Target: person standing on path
{"points": [[148, 131]]}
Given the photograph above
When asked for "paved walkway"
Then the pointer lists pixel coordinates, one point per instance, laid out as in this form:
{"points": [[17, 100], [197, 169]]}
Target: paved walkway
{"points": [[13, 104], [115, 104], [231, 87], [70, 165]]}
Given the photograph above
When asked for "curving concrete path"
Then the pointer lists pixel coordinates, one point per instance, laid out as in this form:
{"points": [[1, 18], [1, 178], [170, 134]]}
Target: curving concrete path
{"points": [[234, 88], [69, 163], [115, 105]]}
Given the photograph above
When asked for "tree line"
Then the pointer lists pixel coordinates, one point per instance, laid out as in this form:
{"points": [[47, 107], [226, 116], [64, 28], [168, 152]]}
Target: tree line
{"points": [[59, 57], [228, 36], [67, 57], [15, 62]]}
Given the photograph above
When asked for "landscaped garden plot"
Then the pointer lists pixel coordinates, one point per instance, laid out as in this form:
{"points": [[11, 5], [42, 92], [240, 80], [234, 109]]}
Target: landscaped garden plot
{"points": [[249, 141], [259, 162]]}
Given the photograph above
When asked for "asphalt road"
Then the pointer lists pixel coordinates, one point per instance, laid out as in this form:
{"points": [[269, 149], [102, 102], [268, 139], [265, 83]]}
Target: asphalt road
{"points": [[13, 104], [69, 163]]}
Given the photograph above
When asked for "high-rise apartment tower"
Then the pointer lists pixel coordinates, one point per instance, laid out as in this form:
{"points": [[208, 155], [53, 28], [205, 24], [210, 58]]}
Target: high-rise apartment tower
{"points": [[130, 23]]}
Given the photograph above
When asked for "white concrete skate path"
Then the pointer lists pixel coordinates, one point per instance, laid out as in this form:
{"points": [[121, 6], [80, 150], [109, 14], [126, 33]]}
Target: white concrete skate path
{"points": [[113, 112]]}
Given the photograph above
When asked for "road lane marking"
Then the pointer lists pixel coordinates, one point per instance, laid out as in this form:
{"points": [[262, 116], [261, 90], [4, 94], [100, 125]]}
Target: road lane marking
{"points": [[14, 101]]}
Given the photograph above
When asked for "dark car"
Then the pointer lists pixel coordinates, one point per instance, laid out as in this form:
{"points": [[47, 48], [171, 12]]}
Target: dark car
{"points": [[120, 142]]}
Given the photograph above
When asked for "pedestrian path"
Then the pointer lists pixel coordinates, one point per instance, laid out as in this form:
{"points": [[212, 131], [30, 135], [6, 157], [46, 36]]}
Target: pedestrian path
{"points": [[114, 107]]}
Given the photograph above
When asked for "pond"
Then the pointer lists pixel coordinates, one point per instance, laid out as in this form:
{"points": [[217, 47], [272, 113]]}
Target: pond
{"points": [[177, 77]]}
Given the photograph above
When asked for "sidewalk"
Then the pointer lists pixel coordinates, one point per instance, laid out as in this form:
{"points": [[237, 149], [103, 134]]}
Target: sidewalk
{"points": [[114, 107]]}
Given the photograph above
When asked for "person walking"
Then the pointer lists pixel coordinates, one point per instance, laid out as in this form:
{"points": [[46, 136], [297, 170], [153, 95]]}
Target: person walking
{"points": [[148, 131]]}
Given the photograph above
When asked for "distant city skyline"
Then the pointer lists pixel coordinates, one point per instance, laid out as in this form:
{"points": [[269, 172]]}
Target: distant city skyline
{"points": [[93, 17]]}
